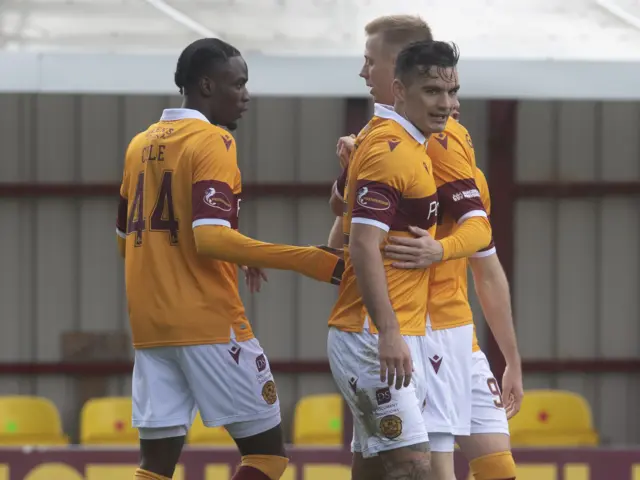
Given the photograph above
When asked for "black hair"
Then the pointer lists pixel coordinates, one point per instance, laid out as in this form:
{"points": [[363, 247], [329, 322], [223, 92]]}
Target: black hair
{"points": [[418, 58], [199, 58]]}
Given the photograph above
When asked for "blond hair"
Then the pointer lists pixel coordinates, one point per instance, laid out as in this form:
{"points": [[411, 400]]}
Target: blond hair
{"points": [[399, 30]]}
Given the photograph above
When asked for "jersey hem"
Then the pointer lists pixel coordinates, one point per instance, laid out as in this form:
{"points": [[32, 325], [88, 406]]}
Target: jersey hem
{"points": [[187, 343], [416, 332], [457, 324]]}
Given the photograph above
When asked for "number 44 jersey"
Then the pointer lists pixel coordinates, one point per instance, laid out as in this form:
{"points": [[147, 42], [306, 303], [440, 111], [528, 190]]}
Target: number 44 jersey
{"points": [[180, 173]]}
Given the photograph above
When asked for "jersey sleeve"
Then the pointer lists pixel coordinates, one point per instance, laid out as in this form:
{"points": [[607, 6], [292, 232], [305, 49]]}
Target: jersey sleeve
{"points": [[215, 182], [123, 203], [483, 188], [380, 181], [454, 172]]}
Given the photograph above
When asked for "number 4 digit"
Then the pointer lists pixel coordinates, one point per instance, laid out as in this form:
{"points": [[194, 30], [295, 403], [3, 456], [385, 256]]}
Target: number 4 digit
{"points": [[136, 220], [162, 218]]}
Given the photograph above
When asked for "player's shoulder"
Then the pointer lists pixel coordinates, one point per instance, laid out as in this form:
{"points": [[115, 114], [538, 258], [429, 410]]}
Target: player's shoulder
{"points": [[388, 137], [452, 149], [458, 133], [481, 179], [209, 136]]}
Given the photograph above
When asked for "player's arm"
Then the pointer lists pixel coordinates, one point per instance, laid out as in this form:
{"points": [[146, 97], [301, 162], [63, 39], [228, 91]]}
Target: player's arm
{"points": [[336, 234], [458, 197], [214, 212], [369, 227], [121, 220], [492, 288]]}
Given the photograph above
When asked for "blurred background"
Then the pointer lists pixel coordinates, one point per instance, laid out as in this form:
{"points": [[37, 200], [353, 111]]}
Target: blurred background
{"points": [[550, 94]]}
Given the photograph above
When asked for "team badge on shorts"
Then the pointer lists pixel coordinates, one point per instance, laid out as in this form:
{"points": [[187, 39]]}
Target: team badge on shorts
{"points": [[391, 426], [269, 392]]}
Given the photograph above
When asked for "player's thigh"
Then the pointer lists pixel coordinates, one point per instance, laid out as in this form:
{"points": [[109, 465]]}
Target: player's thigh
{"points": [[482, 444], [442, 467], [488, 416], [366, 468], [413, 461], [448, 371], [233, 386], [162, 402], [268, 442], [384, 418]]}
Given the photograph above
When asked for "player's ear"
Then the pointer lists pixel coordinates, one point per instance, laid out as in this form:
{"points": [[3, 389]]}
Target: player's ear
{"points": [[206, 86], [399, 90]]}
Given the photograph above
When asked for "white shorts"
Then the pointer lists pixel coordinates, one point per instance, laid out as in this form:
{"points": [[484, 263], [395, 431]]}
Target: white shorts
{"points": [[231, 384], [448, 369], [487, 412], [383, 418]]}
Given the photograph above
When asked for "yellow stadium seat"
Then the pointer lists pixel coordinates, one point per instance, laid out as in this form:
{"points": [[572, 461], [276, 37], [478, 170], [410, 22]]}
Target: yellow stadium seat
{"points": [[26, 420], [553, 418], [107, 421], [199, 434], [318, 420]]}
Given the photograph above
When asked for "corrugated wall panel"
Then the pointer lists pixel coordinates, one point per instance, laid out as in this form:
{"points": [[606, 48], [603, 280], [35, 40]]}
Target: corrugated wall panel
{"points": [[101, 269], [12, 162], [578, 140], [101, 139], [535, 291], [576, 279], [16, 289], [57, 127], [321, 124], [275, 307], [314, 299], [56, 294], [56, 285], [620, 141], [577, 261], [619, 306], [535, 149], [277, 138]]}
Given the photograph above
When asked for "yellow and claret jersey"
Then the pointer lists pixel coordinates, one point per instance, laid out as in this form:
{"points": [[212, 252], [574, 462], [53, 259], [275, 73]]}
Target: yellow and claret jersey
{"points": [[454, 169], [180, 173], [389, 185]]}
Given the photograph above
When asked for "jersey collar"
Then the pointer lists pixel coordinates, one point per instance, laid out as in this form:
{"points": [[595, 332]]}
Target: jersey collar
{"points": [[173, 114], [387, 111]]}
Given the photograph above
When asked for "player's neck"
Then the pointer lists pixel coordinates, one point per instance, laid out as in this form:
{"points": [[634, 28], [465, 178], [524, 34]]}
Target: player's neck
{"points": [[193, 104], [399, 109]]}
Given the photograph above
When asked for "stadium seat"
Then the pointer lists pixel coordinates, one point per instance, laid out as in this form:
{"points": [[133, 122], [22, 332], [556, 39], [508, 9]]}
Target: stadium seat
{"points": [[27, 420], [199, 434], [553, 418], [107, 421], [318, 420]]}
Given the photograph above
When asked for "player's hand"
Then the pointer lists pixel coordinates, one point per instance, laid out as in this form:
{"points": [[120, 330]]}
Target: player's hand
{"points": [[417, 252], [344, 149], [396, 364], [512, 390], [253, 278]]}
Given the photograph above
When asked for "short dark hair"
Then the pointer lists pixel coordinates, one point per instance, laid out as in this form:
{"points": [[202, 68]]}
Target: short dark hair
{"points": [[418, 58], [199, 58]]}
